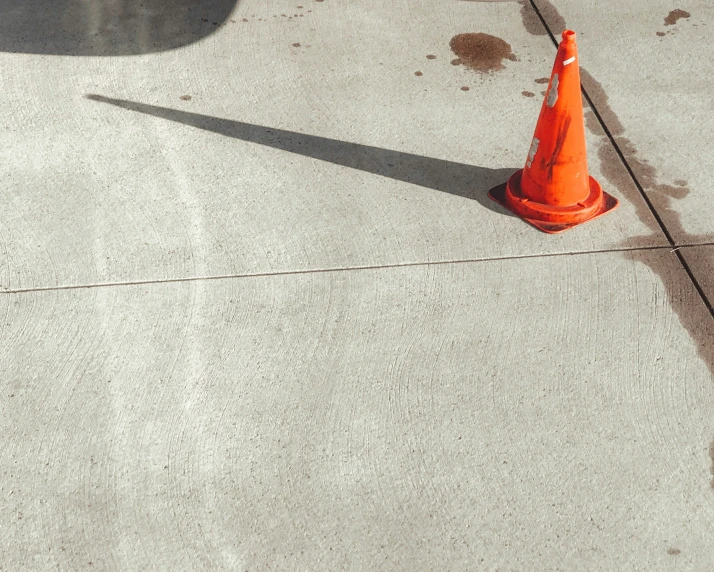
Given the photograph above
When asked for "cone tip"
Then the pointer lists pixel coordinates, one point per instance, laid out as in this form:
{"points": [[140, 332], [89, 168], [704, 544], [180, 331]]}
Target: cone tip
{"points": [[568, 36]]}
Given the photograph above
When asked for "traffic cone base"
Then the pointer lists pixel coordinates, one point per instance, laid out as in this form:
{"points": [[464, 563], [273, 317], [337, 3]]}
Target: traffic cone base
{"points": [[551, 218]]}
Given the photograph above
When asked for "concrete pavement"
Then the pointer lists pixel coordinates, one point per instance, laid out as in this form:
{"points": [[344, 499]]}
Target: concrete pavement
{"points": [[261, 315]]}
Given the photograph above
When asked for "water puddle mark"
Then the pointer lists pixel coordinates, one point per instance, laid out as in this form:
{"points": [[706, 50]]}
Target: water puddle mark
{"points": [[674, 16], [418, 73], [532, 23], [527, 94], [431, 57], [464, 88], [481, 52], [296, 45], [620, 165], [185, 98], [646, 173], [674, 551], [542, 80]]}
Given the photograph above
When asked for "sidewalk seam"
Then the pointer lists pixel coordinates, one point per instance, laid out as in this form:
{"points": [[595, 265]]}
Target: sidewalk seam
{"points": [[339, 269]]}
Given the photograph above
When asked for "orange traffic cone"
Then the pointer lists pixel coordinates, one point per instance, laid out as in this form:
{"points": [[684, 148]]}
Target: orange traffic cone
{"points": [[553, 191]]}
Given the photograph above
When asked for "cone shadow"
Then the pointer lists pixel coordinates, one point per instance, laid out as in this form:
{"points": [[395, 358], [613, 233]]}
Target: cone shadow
{"points": [[468, 181]]}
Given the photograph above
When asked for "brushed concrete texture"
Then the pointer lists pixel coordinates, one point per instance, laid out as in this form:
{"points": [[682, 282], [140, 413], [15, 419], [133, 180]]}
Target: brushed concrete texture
{"points": [[648, 72], [329, 154], [537, 414]]}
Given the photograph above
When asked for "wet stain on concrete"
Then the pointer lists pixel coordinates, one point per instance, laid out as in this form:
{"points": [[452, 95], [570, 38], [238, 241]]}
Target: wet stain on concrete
{"points": [[646, 173], [185, 97], [481, 52], [542, 80], [418, 73], [661, 34], [694, 316], [711, 456], [464, 88], [674, 16], [674, 551], [532, 23], [456, 62], [431, 57], [527, 94], [296, 45]]}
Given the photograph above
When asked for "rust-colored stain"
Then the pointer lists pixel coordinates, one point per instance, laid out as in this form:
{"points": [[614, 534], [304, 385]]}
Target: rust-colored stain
{"points": [[418, 73], [464, 88], [296, 45], [661, 34], [431, 57], [674, 16], [185, 97], [542, 80], [481, 52], [528, 94], [674, 551]]}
